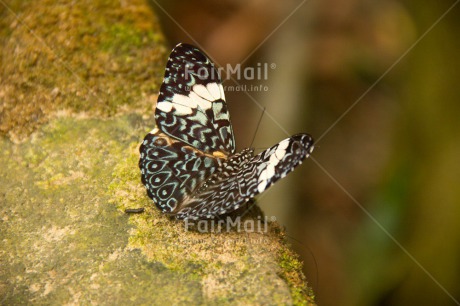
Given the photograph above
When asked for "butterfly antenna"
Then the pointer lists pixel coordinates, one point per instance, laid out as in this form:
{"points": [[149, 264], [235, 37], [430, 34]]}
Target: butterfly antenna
{"points": [[257, 128]]}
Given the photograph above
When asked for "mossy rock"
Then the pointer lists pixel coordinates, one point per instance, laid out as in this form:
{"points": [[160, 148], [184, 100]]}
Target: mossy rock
{"points": [[69, 169], [84, 57]]}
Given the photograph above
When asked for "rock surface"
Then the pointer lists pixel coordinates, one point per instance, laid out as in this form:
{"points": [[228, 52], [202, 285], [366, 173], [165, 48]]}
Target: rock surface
{"points": [[77, 95]]}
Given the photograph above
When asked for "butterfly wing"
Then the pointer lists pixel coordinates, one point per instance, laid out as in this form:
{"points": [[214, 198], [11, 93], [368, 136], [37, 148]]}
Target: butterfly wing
{"points": [[191, 105], [188, 163], [170, 170], [244, 176]]}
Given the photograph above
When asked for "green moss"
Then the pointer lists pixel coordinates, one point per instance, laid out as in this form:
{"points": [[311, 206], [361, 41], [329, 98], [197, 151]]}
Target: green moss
{"points": [[80, 64], [291, 271], [122, 37]]}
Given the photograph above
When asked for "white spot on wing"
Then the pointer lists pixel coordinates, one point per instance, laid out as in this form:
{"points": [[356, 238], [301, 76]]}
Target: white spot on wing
{"points": [[202, 92], [182, 110], [183, 100], [273, 160], [154, 131], [164, 106], [270, 171], [280, 153], [283, 144], [263, 175], [261, 186], [213, 88], [202, 103]]}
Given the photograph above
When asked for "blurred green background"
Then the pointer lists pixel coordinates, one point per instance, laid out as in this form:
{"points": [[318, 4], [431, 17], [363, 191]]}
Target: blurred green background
{"points": [[382, 226]]}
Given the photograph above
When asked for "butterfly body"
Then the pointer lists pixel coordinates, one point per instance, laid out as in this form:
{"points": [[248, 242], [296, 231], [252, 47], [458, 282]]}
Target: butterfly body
{"points": [[188, 162]]}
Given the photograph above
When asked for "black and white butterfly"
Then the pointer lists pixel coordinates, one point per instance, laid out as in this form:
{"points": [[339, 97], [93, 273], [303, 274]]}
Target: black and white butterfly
{"points": [[188, 161]]}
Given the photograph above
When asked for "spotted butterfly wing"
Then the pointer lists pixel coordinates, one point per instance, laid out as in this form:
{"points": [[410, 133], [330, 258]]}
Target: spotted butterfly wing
{"points": [[191, 106], [188, 162], [243, 176], [171, 170]]}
